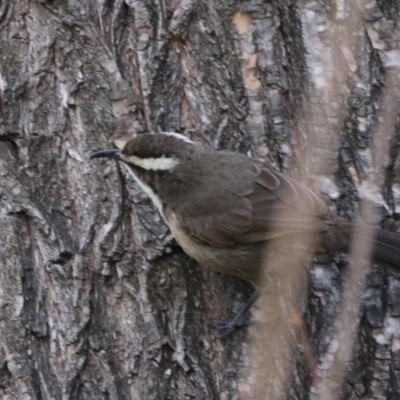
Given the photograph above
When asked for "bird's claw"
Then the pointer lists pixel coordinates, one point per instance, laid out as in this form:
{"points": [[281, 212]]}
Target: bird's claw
{"points": [[225, 328]]}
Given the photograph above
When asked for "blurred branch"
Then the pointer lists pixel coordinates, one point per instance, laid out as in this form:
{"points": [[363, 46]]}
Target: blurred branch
{"points": [[349, 314], [284, 289], [283, 293]]}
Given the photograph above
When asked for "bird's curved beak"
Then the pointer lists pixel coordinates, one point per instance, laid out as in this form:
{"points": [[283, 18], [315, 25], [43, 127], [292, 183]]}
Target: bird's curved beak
{"points": [[107, 153]]}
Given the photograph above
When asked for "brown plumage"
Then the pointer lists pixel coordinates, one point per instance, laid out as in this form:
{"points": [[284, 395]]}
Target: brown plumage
{"points": [[222, 207]]}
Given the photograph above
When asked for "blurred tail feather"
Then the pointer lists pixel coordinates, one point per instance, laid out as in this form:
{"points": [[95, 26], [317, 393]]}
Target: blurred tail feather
{"points": [[387, 247]]}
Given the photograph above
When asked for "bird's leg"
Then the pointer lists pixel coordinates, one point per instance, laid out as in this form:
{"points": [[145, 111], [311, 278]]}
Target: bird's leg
{"points": [[239, 320]]}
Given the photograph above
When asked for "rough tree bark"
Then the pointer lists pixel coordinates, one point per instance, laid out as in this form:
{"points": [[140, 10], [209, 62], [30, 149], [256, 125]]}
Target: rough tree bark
{"points": [[96, 299]]}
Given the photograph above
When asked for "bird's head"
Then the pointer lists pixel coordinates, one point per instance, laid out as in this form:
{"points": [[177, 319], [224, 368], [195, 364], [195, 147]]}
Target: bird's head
{"points": [[151, 152], [156, 162]]}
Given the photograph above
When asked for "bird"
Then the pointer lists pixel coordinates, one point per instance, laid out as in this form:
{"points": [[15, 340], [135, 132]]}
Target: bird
{"points": [[222, 207]]}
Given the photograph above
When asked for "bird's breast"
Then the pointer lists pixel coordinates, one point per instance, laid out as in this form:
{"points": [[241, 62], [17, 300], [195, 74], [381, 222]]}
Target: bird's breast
{"points": [[242, 261], [190, 247]]}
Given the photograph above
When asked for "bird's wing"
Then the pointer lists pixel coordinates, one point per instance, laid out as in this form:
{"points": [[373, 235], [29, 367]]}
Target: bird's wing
{"points": [[275, 205]]}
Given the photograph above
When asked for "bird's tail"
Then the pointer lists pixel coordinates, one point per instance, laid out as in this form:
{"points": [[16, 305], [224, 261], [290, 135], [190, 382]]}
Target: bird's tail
{"points": [[385, 244], [386, 247]]}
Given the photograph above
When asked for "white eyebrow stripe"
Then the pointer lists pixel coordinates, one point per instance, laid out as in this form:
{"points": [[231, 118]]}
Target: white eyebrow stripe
{"points": [[153, 164], [178, 136]]}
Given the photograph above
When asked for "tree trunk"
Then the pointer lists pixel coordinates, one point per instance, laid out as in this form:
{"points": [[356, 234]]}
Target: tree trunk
{"points": [[97, 301]]}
